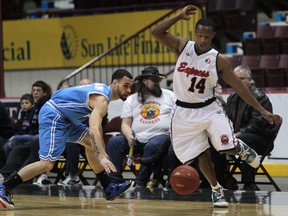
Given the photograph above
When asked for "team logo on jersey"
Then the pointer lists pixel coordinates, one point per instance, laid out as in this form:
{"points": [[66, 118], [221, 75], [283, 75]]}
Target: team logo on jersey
{"points": [[69, 42], [208, 61], [224, 139], [150, 114], [188, 54]]}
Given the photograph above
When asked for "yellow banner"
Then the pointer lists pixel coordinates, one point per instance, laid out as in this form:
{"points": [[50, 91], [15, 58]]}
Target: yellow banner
{"points": [[72, 42]]}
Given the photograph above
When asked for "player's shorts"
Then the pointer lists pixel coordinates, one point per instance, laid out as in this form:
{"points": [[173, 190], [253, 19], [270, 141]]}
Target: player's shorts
{"points": [[191, 128], [55, 130]]}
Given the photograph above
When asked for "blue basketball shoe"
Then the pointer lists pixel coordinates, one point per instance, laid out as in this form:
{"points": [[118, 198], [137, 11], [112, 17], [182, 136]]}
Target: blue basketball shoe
{"points": [[5, 201], [115, 190]]}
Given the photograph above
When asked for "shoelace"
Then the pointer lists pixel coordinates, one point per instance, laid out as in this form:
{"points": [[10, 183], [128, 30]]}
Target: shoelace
{"points": [[218, 196]]}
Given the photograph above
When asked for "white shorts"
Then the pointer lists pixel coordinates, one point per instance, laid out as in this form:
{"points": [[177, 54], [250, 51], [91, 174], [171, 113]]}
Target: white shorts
{"points": [[191, 128]]}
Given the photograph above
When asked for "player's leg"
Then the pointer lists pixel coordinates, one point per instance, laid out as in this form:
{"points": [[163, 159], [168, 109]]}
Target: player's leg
{"points": [[207, 168], [223, 139], [47, 127]]}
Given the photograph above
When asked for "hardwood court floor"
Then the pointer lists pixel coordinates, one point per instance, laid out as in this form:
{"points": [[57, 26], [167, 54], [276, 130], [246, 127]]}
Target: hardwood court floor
{"points": [[89, 200]]}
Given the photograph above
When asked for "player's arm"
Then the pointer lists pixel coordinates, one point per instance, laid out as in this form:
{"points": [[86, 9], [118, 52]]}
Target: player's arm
{"points": [[226, 70], [127, 130], [99, 104], [160, 32]]}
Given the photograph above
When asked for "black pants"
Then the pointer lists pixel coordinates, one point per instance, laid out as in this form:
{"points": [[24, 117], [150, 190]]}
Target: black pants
{"points": [[20, 156]]}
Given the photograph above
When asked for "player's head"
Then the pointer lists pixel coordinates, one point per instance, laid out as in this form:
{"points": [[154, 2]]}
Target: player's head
{"points": [[204, 31], [121, 83], [148, 83]]}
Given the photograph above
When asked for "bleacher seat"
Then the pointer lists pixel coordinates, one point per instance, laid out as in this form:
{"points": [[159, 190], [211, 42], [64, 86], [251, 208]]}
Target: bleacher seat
{"points": [[269, 61], [270, 46], [283, 63], [281, 32], [235, 60], [253, 62], [265, 31], [275, 76], [252, 46]]}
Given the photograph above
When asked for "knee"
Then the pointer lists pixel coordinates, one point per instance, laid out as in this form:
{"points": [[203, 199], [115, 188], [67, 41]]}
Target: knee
{"points": [[117, 144], [47, 165]]}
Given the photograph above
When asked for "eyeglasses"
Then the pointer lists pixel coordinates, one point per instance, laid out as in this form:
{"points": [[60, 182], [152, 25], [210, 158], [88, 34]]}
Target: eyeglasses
{"points": [[155, 79]]}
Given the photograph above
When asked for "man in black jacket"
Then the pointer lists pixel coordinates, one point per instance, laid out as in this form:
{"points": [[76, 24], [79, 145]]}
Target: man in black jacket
{"points": [[249, 125]]}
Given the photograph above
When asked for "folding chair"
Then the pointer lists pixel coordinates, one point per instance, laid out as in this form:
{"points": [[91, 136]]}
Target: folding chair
{"points": [[235, 162]]}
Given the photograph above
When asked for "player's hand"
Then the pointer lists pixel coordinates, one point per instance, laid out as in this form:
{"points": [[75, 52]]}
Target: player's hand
{"points": [[188, 11], [107, 164], [271, 118]]}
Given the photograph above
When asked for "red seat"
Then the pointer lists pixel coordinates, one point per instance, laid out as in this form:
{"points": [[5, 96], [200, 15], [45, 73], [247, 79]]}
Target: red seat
{"points": [[252, 61], [270, 46], [269, 61], [283, 61], [275, 77], [252, 46], [265, 31], [281, 32], [235, 60], [258, 75]]}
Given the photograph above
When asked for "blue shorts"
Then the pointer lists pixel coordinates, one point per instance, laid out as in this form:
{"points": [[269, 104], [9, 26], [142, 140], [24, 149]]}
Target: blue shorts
{"points": [[55, 130]]}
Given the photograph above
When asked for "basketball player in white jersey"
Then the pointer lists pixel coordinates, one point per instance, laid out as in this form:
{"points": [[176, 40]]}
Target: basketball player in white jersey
{"points": [[198, 115]]}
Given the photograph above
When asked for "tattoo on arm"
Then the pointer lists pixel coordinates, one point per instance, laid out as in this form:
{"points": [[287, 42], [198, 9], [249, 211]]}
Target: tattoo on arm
{"points": [[93, 143]]}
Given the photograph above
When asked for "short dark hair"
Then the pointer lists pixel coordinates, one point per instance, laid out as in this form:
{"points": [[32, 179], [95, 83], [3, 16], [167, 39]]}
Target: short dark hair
{"points": [[28, 97], [120, 73], [206, 22], [45, 87]]}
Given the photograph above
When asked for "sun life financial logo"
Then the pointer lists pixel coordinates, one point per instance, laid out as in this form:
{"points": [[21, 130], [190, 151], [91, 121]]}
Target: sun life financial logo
{"points": [[69, 42]]}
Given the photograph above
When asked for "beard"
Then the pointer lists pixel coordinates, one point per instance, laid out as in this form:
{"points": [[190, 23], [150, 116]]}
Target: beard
{"points": [[156, 91], [123, 97]]}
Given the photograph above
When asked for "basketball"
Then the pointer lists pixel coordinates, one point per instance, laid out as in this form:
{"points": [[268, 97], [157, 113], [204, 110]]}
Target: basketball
{"points": [[184, 180]]}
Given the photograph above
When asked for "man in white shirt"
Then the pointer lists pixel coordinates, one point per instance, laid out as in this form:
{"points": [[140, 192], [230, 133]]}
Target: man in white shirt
{"points": [[145, 124]]}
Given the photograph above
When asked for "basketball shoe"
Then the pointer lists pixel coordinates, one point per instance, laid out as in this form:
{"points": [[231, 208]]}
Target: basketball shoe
{"points": [[249, 155], [218, 198], [5, 200], [70, 181], [115, 190], [43, 180]]}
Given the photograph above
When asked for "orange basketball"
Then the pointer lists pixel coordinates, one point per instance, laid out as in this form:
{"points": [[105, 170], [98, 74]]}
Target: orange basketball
{"points": [[184, 180]]}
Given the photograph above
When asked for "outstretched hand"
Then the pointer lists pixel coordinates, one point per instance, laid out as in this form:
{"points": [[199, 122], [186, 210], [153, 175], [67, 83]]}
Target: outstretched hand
{"points": [[187, 11], [271, 118]]}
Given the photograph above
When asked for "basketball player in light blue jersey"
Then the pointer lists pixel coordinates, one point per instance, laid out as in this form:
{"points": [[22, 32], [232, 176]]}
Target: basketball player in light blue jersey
{"points": [[61, 121]]}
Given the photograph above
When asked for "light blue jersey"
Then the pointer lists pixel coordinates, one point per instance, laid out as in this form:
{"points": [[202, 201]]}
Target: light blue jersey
{"points": [[73, 102], [61, 118]]}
